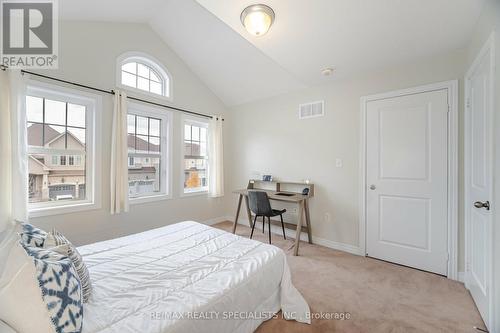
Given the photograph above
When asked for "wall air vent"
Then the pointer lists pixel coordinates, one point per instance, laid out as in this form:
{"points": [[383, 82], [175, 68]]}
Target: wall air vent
{"points": [[312, 110]]}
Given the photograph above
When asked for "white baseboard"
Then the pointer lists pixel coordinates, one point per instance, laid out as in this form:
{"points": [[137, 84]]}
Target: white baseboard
{"points": [[352, 249], [291, 233], [356, 250]]}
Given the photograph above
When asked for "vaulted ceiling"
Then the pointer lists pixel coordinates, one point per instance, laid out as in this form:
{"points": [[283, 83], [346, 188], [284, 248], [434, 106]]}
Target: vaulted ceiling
{"points": [[352, 36]]}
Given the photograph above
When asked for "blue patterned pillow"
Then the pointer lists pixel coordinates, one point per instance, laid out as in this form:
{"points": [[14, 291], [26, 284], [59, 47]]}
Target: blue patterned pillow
{"points": [[60, 287], [32, 236], [55, 238]]}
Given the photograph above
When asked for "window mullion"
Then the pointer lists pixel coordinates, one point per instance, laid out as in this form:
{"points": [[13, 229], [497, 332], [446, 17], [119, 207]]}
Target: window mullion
{"points": [[135, 132], [137, 75], [44, 150], [66, 127], [43, 122], [152, 155], [149, 121]]}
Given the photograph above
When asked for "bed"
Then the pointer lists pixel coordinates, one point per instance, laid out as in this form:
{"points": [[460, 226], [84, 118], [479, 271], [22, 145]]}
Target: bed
{"points": [[187, 277]]}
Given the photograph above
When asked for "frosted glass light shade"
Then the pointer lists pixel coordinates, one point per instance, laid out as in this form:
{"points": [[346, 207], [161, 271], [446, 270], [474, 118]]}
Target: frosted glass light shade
{"points": [[257, 19]]}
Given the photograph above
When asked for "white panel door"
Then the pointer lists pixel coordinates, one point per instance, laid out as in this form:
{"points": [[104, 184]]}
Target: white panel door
{"points": [[407, 171], [478, 187]]}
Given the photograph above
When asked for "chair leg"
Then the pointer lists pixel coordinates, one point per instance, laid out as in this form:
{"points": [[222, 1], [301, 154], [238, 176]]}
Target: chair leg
{"points": [[253, 226], [283, 226], [269, 221], [263, 224]]}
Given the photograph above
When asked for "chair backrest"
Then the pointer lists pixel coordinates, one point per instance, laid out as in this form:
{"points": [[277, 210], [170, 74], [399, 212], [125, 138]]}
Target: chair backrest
{"points": [[259, 203]]}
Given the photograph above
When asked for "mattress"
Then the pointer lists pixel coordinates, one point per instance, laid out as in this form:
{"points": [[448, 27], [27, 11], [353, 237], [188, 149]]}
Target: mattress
{"points": [[187, 277]]}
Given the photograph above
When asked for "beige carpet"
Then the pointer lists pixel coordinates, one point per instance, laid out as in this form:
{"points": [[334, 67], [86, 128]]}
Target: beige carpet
{"points": [[379, 296]]}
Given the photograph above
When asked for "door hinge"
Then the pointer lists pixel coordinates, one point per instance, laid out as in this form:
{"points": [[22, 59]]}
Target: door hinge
{"points": [[467, 104]]}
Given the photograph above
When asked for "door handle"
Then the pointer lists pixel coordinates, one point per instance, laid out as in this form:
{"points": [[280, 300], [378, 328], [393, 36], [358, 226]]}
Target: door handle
{"points": [[373, 187], [479, 204]]}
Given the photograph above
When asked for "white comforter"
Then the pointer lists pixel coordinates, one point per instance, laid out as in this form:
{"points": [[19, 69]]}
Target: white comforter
{"points": [[187, 277]]}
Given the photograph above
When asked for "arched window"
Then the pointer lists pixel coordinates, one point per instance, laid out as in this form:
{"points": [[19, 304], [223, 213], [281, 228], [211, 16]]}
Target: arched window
{"points": [[141, 72]]}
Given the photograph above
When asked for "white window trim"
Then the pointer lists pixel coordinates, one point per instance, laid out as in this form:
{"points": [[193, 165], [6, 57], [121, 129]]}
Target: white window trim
{"points": [[165, 141], [93, 104], [151, 62], [197, 122]]}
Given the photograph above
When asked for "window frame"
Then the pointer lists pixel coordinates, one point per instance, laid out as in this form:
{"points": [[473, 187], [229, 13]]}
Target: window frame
{"points": [[93, 104], [190, 120], [162, 80], [140, 109], [151, 62]]}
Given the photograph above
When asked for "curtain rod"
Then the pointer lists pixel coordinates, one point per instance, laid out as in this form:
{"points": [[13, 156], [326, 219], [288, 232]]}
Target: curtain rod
{"points": [[111, 92]]}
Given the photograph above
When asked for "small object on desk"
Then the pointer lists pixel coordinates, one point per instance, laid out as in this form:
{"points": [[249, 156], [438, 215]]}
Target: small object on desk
{"points": [[267, 178], [305, 191], [286, 194]]}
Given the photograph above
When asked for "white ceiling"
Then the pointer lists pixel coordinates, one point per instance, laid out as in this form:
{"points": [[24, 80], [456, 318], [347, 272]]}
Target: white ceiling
{"points": [[109, 10], [235, 70], [352, 36]]}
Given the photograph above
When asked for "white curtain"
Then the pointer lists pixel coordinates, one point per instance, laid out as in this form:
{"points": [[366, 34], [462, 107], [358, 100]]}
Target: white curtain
{"points": [[14, 165], [216, 157], [119, 155]]}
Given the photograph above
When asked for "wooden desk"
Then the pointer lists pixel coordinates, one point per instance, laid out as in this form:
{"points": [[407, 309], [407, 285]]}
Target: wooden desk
{"points": [[303, 212]]}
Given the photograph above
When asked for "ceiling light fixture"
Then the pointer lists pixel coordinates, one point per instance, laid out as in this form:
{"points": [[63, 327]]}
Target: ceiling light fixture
{"points": [[257, 19]]}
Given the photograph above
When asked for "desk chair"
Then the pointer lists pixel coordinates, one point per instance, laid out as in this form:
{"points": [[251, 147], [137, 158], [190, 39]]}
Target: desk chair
{"points": [[260, 206]]}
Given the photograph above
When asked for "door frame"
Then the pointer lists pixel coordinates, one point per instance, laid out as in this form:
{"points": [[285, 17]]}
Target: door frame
{"points": [[452, 88], [487, 48]]}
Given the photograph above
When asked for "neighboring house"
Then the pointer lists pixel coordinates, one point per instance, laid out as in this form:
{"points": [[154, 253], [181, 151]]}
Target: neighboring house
{"points": [[195, 166], [143, 170], [62, 177], [55, 177]]}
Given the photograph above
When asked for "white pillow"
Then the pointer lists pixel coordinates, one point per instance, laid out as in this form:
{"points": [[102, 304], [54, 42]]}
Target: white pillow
{"points": [[8, 237], [22, 306]]}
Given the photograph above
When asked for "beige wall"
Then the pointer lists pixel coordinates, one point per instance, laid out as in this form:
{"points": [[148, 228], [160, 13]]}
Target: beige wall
{"points": [[88, 51], [267, 137]]}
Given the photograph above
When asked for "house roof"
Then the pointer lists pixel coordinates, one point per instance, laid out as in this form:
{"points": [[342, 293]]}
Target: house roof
{"points": [[40, 163], [35, 135], [140, 144]]}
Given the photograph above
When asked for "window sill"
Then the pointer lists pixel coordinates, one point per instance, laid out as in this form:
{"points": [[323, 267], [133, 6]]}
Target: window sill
{"points": [[203, 192], [62, 209], [151, 198]]}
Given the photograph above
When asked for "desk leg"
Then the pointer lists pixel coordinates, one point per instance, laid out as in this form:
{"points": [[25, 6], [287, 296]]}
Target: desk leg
{"points": [[308, 221], [237, 213], [249, 214], [299, 228]]}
